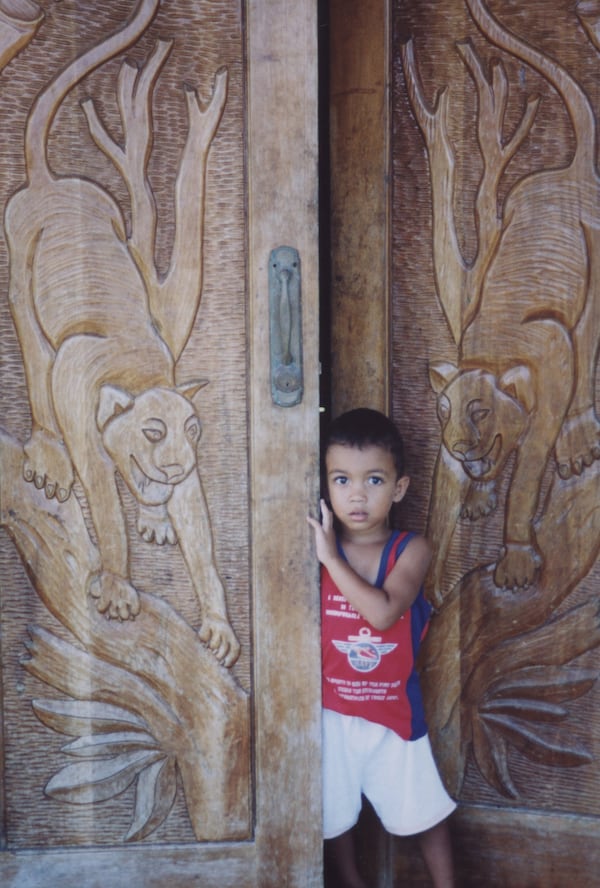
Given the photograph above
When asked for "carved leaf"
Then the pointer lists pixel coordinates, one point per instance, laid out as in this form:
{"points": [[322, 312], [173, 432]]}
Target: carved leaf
{"points": [[551, 683], [532, 710], [75, 717], [506, 714], [537, 747], [154, 797], [490, 750], [82, 675], [99, 779], [106, 745]]}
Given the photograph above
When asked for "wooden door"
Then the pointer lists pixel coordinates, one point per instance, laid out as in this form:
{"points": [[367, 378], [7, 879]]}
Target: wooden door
{"points": [[495, 212], [159, 640]]}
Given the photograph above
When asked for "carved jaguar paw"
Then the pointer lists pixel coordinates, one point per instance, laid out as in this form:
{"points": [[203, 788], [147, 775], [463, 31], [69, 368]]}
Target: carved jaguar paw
{"points": [[48, 465], [219, 637], [517, 567], [154, 526], [115, 597], [480, 501], [578, 444]]}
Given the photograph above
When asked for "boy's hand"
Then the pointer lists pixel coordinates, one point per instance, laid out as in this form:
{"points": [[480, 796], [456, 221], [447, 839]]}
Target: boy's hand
{"points": [[324, 535]]}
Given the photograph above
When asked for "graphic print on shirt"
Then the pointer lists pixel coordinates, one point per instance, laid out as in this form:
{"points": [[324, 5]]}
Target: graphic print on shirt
{"points": [[364, 651]]}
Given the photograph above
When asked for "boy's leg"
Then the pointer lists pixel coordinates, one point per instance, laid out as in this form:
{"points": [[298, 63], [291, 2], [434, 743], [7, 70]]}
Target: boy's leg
{"points": [[343, 750], [436, 849], [341, 852]]}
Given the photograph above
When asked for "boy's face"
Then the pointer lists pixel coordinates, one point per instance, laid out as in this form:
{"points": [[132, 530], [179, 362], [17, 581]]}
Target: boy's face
{"points": [[362, 486]]}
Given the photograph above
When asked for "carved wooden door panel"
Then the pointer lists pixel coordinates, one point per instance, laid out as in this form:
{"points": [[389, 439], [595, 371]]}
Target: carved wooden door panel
{"points": [[496, 324], [158, 445]]}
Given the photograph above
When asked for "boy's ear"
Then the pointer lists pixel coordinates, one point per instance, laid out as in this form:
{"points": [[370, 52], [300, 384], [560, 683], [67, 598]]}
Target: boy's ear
{"points": [[401, 488]]}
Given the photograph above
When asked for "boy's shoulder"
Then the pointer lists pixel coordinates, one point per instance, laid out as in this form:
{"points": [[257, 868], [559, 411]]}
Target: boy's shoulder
{"points": [[400, 540]]}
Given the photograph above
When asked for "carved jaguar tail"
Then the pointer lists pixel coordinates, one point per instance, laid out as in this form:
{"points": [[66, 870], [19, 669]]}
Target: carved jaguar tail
{"points": [[576, 102], [48, 101]]}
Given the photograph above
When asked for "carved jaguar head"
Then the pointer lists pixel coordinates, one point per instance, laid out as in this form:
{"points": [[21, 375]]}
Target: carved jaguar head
{"points": [[151, 438], [482, 416]]}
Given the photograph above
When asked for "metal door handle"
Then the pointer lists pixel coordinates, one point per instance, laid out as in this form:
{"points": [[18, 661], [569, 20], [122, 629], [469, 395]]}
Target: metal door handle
{"points": [[285, 327]]}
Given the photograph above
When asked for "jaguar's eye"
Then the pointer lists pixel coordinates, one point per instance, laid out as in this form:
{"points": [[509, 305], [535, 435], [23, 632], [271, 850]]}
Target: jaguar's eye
{"points": [[154, 431], [154, 435], [477, 413], [444, 409], [193, 429]]}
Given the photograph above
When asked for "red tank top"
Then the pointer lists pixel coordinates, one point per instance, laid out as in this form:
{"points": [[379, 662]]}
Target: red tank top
{"points": [[371, 673]]}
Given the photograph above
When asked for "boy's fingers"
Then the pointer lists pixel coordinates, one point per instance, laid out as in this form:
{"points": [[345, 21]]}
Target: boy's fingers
{"points": [[326, 515], [326, 521], [314, 523]]}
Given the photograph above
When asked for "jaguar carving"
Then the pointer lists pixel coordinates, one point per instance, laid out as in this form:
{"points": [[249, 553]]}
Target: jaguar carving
{"points": [[152, 702], [516, 403]]}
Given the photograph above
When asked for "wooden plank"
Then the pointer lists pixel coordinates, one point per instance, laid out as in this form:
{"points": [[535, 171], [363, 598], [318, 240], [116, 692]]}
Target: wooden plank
{"points": [[152, 867], [359, 146], [282, 208]]}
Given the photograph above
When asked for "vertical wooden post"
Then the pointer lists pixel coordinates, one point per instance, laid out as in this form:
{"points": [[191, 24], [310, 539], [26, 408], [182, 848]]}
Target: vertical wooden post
{"points": [[359, 148], [283, 212]]}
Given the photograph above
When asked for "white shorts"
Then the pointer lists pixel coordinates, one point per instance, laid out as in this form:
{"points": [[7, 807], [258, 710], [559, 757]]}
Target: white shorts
{"points": [[399, 778]]}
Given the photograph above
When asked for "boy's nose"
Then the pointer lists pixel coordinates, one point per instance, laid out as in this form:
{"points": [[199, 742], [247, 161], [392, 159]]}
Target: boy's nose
{"points": [[357, 492]]}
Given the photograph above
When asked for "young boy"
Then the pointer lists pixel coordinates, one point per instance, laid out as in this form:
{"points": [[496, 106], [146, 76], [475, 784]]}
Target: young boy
{"points": [[374, 616]]}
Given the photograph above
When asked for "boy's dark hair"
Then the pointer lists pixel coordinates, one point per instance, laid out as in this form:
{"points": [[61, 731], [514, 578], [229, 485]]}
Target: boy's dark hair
{"points": [[364, 427]]}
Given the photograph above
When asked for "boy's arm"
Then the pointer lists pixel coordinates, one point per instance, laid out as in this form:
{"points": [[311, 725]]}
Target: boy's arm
{"points": [[380, 607]]}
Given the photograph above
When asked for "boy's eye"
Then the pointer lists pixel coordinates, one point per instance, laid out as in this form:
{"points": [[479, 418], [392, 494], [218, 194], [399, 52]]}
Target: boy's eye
{"points": [[340, 479], [375, 479]]}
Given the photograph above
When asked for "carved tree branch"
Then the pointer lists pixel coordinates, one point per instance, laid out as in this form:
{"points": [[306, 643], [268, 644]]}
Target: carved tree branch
{"points": [[135, 89], [496, 157], [459, 284], [173, 302], [173, 313], [449, 266]]}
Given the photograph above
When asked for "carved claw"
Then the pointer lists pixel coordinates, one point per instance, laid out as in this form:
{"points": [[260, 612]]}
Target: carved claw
{"points": [[219, 637], [517, 566], [154, 525], [115, 597], [47, 464], [480, 501], [578, 444]]}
